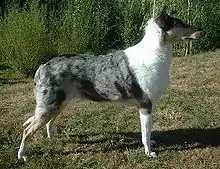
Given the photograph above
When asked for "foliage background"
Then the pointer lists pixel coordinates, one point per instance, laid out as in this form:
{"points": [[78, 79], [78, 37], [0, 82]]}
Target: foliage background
{"points": [[32, 32]]}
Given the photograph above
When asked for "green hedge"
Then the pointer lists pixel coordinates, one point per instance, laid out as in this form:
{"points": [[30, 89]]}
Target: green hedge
{"points": [[24, 41], [31, 33]]}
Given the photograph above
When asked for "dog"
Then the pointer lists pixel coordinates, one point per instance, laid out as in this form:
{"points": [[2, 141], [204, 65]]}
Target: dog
{"points": [[139, 73]]}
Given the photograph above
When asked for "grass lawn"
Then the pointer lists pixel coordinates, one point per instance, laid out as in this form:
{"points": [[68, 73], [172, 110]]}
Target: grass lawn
{"points": [[90, 135]]}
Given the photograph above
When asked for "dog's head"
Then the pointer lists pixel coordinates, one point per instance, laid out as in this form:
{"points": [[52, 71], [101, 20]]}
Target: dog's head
{"points": [[175, 29]]}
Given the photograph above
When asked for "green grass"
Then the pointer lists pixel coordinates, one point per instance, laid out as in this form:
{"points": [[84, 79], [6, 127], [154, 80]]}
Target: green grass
{"points": [[90, 135]]}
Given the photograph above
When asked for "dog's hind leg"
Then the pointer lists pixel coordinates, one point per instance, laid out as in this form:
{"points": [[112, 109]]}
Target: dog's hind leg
{"points": [[49, 125], [41, 117], [28, 121]]}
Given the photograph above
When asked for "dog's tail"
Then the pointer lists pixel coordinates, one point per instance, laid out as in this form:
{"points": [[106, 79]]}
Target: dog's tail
{"points": [[28, 121], [37, 74], [36, 78]]}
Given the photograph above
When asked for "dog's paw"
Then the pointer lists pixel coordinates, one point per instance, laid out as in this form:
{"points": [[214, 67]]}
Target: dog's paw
{"points": [[22, 157], [151, 154]]}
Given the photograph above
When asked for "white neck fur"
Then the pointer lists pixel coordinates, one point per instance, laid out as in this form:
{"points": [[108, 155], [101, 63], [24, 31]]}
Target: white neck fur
{"points": [[152, 49]]}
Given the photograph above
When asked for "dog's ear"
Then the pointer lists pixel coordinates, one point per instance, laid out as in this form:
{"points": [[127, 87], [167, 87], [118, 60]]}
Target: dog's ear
{"points": [[164, 11], [161, 19]]}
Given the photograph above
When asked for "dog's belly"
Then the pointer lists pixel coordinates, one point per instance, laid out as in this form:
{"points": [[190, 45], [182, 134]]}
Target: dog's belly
{"points": [[125, 92], [107, 90]]}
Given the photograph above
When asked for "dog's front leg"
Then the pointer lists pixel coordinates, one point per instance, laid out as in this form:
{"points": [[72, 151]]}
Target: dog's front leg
{"points": [[146, 125]]}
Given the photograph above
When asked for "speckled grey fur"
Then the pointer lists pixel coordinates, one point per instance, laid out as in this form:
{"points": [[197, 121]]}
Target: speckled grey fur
{"points": [[99, 78]]}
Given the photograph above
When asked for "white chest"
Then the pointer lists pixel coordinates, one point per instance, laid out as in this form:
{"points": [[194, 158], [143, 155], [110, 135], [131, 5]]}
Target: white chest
{"points": [[152, 70], [152, 81]]}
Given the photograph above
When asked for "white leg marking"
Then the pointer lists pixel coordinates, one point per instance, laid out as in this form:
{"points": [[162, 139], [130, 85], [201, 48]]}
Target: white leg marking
{"points": [[28, 121], [146, 125], [21, 151], [36, 123], [49, 127]]}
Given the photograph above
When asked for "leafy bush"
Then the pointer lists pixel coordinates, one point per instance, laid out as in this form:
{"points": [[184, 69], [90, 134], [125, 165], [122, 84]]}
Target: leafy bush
{"points": [[24, 41], [134, 13], [36, 30], [207, 16], [72, 33]]}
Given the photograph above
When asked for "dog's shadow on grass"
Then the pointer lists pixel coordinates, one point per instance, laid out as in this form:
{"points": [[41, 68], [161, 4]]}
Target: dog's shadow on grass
{"points": [[179, 139]]}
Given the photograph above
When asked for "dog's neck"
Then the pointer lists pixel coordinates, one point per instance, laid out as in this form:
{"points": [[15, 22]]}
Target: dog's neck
{"points": [[154, 37], [152, 50]]}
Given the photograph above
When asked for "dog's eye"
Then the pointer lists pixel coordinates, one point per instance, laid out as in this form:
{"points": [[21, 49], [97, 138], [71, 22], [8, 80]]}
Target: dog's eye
{"points": [[178, 24], [175, 23]]}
